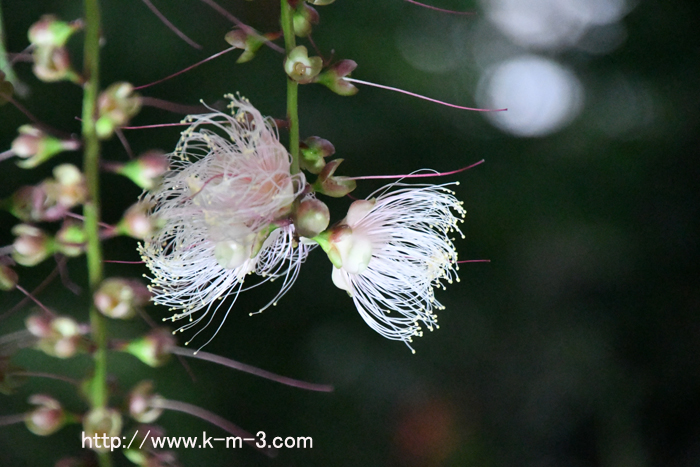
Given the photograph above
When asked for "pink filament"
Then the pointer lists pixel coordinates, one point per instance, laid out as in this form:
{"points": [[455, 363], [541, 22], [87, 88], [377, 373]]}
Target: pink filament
{"points": [[438, 174], [453, 12], [413, 94]]}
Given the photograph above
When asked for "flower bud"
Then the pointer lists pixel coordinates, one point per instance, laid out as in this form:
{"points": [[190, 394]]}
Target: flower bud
{"points": [[329, 185], [37, 147], [67, 189], [49, 31], [332, 78], [47, 418], [313, 152], [32, 245], [6, 89], [59, 336], [104, 423], [311, 217], [120, 298], [39, 324], [147, 170], [8, 278], [141, 403], [153, 349], [71, 239], [53, 64], [249, 41], [320, 2], [303, 18], [300, 67], [115, 106], [137, 222]]}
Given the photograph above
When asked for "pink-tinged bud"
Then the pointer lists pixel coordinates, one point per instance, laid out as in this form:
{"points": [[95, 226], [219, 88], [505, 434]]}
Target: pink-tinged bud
{"points": [[332, 78], [115, 107], [58, 336], [300, 67], [121, 298], [141, 403], [303, 18], [103, 423], [39, 324], [71, 239], [311, 217], [53, 64], [6, 89], [47, 418], [329, 185], [8, 278], [32, 245], [147, 170], [28, 203], [313, 152], [153, 349], [137, 222], [67, 189], [49, 31], [37, 147], [249, 41]]}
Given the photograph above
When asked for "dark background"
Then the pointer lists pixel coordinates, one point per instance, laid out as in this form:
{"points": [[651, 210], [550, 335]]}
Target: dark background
{"points": [[576, 346]]}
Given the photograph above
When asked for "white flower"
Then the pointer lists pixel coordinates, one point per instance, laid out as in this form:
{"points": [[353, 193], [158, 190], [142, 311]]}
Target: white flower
{"points": [[224, 208], [393, 251]]}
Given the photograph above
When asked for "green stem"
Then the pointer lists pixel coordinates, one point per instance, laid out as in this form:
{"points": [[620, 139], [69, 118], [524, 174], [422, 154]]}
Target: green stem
{"points": [[91, 71], [5, 65], [292, 87]]}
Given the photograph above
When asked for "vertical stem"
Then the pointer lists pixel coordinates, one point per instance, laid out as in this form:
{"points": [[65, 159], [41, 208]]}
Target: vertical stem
{"points": [[98, 390], [5, 65], [292, 87]]}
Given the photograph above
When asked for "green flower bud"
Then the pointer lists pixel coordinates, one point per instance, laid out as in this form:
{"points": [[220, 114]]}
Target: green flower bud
{"points": [[137, 222], [121, 298], [311, 217], [145, 171], [104, 423], [303, 18], [49, 31], [332, 78], [116, 105], [32, 245], [71, 239], [53, 64], [141, 403], [153, 349], [329, 185], [37, 147], [300, 67], [313, 152], [8, 278]]}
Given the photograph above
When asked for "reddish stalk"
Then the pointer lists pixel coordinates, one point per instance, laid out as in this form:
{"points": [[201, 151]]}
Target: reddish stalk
{"points": [[414, 175], [419, 96]]}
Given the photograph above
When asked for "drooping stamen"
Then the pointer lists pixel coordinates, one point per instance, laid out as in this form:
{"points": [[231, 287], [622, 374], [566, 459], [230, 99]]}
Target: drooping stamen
{"points": [[170, 25], [125, 142], [415, 175], [216, 55], [413, 94], [430, 7], [159, 125], [251, 369], [212, 418], [248, 30], [34, 299]]}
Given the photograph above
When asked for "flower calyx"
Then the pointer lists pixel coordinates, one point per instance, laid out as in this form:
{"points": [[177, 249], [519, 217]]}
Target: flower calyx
{"points": [[333, 186], [300, 67], [333, 78], [314, 150], [116, 105]]}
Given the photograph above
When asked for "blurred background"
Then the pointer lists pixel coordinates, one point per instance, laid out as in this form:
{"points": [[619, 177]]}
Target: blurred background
{"points": [[577, 345]]}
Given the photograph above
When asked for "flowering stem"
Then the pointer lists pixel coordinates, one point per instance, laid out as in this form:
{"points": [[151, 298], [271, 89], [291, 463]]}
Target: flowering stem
{"points": [[212, 418], [292, 88], [91, 209]]}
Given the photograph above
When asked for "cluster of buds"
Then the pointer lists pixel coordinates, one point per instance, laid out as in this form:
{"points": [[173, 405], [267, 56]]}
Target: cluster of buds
{"points": [[52, 62], [116, 105], [58, 336], [51, 199]]}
